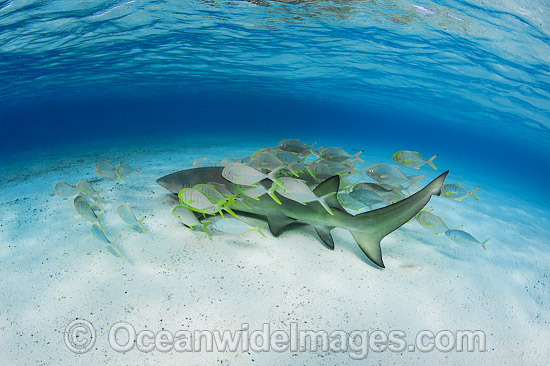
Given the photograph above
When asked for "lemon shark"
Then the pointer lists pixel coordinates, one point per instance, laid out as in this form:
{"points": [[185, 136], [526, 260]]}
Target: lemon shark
{"points": [[368, 228]]}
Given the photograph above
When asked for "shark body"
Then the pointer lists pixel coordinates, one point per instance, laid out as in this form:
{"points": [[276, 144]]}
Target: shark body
{"points": [[368, 228]]}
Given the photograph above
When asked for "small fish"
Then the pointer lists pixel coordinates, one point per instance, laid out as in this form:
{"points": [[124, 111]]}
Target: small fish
{"points": [[297, 190], [308, 177], [234, 226], [212, 193], [456, 192], [222, 188], [264, 160], [202, 162], [465, 239], [339, 155], [257, 191], [391, 175], [124, 171], [84, 209], [227, 161], [367, 197], [431, 222], [64, 189], [383, 191], [245, 161], [99, 234], [350, 203], [270, 150], [86, 188], [93, 201], [298, 147], [412, 159], [320, 171], [246, 175], [106, 170], [188, 218], [340, 168], [198, 201], [126, 214], [288, 157]]}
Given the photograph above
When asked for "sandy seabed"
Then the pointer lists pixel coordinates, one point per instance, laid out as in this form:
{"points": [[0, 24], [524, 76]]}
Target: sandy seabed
{"points": [[54, 271]]}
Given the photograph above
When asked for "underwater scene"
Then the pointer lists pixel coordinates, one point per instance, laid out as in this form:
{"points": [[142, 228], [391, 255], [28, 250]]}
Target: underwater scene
{"points": [[268, 182]]}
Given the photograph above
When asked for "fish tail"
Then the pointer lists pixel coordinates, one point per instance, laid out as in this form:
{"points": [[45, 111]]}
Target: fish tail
{"points": [[317, 152], [227, 209], [259, 229], [472, 193], [485, 242], [204, 225], [323, 201], [356, 156], [117, 171], [136, 170], [114, 251], [271, 193], [273, 176], [430, 161], [414, 181]]}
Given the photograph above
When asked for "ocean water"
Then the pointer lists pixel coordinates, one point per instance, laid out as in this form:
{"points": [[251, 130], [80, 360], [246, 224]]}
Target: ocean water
{"points": [[162, 83]]}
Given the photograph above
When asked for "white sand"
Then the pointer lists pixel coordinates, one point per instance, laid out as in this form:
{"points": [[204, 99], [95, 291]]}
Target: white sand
{"points": [[54, 271]]}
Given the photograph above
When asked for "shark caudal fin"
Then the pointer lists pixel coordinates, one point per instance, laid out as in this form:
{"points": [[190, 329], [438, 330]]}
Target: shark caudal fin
{"points": [[373, 226]]}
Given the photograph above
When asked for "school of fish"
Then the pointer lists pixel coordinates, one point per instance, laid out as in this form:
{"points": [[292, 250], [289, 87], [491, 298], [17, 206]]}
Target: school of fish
{"points": [[295, 169], [88, 203]]}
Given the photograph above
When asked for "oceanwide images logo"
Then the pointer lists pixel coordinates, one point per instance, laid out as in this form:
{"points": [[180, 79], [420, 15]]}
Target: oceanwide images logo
{"points": [[80, 337]]}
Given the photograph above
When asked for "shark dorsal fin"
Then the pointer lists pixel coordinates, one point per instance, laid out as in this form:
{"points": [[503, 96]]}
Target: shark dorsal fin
{"points": [[327, 186], [324, 235], [277, 222]]}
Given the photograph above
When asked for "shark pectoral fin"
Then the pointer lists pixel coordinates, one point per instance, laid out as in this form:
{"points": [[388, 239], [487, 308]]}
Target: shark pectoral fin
{"points": [[325, 236], [370, 246], [277, 223]]}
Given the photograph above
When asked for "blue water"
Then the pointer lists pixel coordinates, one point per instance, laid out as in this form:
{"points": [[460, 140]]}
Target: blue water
{"points": [[466, 80], [453, 77]]}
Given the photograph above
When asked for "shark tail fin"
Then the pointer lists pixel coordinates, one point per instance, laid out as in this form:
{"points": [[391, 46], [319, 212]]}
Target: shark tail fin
{"points": [[430, 161], [473, 193], [373, 226], [485, 242]]}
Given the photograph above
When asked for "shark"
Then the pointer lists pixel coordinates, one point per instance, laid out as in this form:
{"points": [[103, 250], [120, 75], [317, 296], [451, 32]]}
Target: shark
{"points": [[368, 229]]}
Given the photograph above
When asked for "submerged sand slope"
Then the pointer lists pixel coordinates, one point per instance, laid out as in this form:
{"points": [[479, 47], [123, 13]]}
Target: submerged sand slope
{"points": [[54, 271]]}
